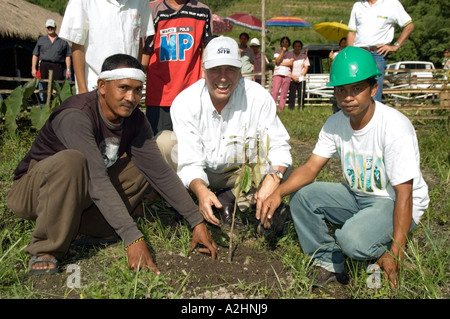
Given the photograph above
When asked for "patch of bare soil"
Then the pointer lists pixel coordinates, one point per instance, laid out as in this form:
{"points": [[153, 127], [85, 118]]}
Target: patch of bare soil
{"points": [[243, 277]]}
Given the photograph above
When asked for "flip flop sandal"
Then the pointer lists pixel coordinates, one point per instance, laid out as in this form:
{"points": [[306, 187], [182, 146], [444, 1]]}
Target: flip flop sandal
{"points": [[37, 259]]}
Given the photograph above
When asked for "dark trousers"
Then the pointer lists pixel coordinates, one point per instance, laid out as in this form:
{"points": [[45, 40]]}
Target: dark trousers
{"points": [[159, 118], [58, 73], [55, 193], [296, 89]]}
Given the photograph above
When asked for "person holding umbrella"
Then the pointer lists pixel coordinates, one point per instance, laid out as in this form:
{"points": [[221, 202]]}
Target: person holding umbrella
{"points": [[332, 56], [342, 46]]}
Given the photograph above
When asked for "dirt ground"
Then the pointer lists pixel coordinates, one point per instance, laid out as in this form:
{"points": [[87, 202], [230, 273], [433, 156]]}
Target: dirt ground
{"points": [[252, 266]]}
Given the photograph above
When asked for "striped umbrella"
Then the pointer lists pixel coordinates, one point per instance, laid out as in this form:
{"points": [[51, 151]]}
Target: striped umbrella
{"points": [[287, 21]]}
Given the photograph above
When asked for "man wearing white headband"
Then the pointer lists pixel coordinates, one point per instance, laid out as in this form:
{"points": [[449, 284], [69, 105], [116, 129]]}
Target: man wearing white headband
{"points": [[223, 105], [88, 170]]}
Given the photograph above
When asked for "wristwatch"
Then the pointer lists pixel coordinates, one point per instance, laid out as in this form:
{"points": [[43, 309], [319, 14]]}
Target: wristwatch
{"points": [[278, 174], [397, 44]]}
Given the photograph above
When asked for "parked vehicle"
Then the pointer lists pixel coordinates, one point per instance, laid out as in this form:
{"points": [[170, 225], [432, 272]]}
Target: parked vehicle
{"points": [[410, 74], [318, 74]]}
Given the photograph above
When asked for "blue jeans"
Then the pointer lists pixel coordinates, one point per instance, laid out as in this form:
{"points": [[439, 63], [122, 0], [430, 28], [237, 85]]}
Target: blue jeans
{"points": [[381, 64], [367, 224]]}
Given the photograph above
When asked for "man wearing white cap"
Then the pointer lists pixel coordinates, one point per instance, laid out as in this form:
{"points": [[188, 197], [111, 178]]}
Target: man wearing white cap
{"points": [[51, 53], [89, 168], [255, 46], [206, 116]]}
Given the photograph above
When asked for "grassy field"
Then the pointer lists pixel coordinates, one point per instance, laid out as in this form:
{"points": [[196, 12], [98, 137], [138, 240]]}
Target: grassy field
{"points": [[312, 11], [425, 272]]}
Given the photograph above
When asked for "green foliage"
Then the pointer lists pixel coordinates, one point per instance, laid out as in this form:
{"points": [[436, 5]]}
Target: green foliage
{"points": [[427, 42], [431, 34], [52, 5], [249, 172], [254, 162], [39, 115], [216, 5], [424, 273], [16, 103]]}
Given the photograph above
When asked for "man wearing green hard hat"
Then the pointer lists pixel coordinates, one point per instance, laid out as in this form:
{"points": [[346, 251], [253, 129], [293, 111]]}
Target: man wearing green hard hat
{"points": [[384, 194]]}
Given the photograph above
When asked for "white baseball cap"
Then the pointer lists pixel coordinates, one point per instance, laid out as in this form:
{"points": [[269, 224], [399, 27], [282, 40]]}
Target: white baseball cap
{"points": [[50, 23], [222, 51], [254, 42]]}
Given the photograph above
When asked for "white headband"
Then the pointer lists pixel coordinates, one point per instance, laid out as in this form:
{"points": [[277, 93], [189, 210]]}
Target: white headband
{"points": [[123, 73]]}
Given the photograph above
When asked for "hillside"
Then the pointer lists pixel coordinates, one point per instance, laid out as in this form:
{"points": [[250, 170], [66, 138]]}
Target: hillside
{"points": [[312, 11], [426, 43]]}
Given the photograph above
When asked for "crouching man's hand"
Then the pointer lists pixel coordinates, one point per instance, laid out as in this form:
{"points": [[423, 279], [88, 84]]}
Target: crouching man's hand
{"points": [[139, 257], [201, 236]]}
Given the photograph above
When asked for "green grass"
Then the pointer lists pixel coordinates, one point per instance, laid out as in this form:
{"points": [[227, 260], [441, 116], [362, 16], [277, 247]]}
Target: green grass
{"points": [[424, 273]]}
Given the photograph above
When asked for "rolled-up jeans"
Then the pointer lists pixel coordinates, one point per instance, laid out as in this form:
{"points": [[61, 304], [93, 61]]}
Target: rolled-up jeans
{"points": [[367, 224]]}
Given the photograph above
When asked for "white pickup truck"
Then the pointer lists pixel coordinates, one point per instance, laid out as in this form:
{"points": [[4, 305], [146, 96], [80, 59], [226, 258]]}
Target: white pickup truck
{"points": [[409, 74]]}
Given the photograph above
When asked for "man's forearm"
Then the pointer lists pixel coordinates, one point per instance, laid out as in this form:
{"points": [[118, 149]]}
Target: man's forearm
{"points": [[78, 57], [402, 218], [198, 186]]}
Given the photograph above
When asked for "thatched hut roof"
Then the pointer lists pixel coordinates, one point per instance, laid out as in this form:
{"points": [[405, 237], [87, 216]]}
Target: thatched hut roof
{"points": [[23, 20]]}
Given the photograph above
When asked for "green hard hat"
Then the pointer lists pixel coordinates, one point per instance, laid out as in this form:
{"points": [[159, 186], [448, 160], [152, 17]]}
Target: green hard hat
{"points": [[352, 65]]}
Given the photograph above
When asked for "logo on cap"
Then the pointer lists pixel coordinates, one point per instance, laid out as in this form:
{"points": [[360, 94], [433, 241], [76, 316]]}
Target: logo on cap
{"points": [[223, 50]]}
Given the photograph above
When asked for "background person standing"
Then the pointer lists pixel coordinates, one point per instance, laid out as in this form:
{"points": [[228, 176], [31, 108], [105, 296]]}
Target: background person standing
{"points": [[299, 69], [371, 27], [446, 60], [101, 28], [247, 56], [173, 55], [283, 59], [342, 46], [51, 53], [255, 46]]}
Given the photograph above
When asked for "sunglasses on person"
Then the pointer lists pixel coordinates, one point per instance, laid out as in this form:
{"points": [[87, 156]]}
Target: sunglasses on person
{"points": [[50, 28]]}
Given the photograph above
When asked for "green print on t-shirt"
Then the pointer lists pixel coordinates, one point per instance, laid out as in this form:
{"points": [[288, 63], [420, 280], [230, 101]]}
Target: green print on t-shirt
{"points": [[363, 173]]}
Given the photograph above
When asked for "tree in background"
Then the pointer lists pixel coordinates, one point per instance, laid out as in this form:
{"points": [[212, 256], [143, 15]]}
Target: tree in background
{"points": [[431, 34], [52, 5]]}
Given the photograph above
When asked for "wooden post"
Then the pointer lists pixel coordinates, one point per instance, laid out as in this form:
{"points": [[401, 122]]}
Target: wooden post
{"points": [[444, 98], [49, 87]]}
